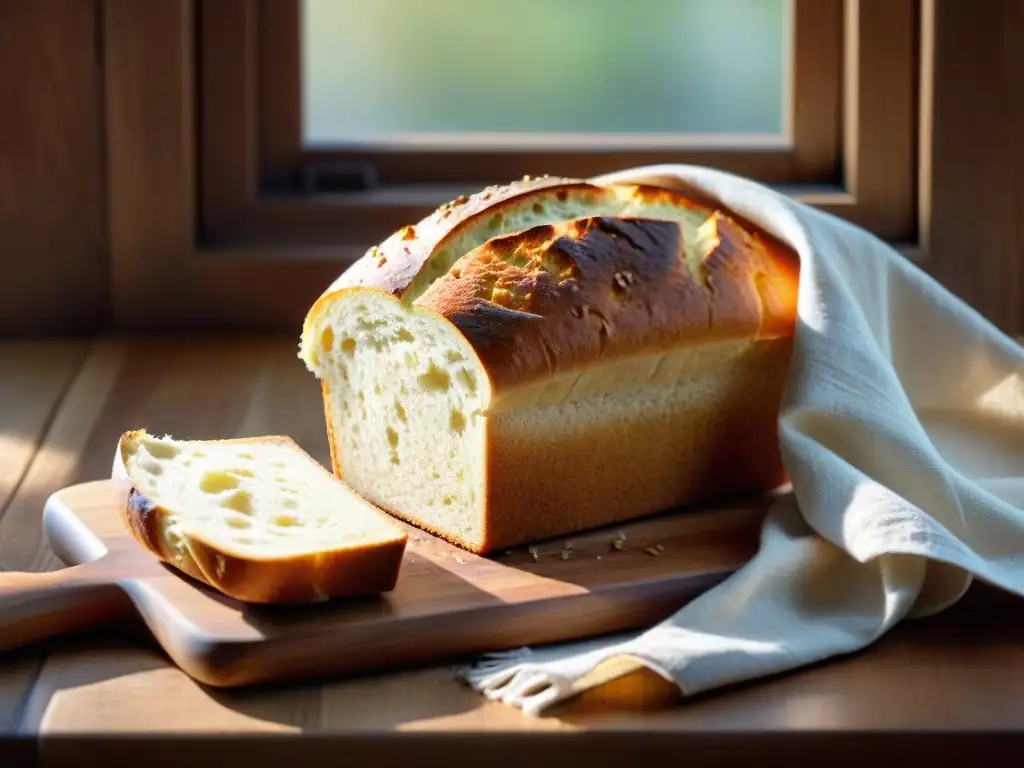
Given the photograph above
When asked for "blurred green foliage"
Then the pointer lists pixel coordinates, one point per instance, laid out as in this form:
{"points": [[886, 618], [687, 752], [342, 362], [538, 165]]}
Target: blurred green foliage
{"points": [[376, 67]]}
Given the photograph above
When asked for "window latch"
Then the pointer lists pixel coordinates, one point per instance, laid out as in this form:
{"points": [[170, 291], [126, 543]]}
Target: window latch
{"points": [[329, 176]]}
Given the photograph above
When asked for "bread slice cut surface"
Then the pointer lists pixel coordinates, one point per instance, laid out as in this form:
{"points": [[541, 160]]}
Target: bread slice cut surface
{"points": [[256, 518], [556, 359]]}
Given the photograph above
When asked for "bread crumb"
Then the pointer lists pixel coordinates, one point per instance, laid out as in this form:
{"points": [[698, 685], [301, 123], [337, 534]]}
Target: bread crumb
{"points": [[651, 551], [460, 561], [565, 554], [617, 544]]}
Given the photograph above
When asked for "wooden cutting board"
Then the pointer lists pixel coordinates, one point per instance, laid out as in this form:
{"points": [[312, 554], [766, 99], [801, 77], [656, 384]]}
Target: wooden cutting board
{"points": [[448, 603]]}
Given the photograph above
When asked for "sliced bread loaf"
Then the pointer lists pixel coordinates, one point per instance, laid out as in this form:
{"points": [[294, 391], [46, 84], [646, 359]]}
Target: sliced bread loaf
{"points": [[548, 357], [258, 519]]}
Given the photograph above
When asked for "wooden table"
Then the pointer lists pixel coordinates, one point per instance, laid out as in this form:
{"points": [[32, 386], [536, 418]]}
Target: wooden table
{"points": [[944, 689]]}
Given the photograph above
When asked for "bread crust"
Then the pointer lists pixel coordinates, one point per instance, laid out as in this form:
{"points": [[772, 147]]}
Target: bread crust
{"points": [[625, 299], [395, 264], [718, 442], [306, 578], [555, 298]]}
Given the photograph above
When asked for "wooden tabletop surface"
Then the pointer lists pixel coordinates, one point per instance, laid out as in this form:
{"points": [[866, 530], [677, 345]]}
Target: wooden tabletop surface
{"points": [[940, 688]]}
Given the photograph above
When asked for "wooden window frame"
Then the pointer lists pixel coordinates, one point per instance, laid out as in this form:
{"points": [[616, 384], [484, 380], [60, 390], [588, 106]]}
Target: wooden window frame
{"points": [[207, 230], [256, 186]]}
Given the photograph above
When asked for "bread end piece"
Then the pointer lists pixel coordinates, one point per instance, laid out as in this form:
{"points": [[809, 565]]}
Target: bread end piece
{"points": [[362, 549]]}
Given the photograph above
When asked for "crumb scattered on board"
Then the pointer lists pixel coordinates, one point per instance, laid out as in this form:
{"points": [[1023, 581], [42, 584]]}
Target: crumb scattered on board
{"points": [[565, 552]]}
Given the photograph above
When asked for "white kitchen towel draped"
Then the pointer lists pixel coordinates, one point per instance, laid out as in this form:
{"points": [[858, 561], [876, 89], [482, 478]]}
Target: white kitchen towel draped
{"points": [[902, 429]]}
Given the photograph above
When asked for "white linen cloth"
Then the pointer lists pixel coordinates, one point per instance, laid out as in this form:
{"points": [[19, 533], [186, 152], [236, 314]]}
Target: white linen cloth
{"points": [[902, 429]]}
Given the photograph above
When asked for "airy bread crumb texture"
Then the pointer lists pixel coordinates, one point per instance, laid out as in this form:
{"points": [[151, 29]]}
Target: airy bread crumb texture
{"points": [[407, 400], [257, 518], [567, 357]]}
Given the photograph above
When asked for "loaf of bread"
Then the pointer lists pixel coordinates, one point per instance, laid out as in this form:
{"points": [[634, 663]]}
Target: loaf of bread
{"points": [[556, 355], [257, 519]]}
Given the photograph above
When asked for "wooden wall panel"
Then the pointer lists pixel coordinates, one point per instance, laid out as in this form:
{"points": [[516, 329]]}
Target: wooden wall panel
{"points": [[54, 270], [52, 260], [974, 189]]}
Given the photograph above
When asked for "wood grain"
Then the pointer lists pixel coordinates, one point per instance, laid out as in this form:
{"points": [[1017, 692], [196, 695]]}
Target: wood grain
{"points": [[156, 258], [880, 113], [33, 379], [152, 223], [922, 687], [976, 181], [814, 58], [250, 113], [52, 237], [288, 248], [39, 606], [448, 603], [194, 388], [939, 688]]}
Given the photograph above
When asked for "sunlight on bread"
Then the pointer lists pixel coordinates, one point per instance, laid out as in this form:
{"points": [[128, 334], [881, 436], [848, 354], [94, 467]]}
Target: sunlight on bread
{"points": [[552, 356], [256, 518]]}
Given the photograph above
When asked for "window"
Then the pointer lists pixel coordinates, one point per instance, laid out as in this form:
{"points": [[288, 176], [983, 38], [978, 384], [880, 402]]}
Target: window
{"points": [[293, 134], [538, 71]]}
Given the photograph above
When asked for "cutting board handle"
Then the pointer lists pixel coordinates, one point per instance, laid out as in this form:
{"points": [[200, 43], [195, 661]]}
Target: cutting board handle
{"points": [[37, 606]]}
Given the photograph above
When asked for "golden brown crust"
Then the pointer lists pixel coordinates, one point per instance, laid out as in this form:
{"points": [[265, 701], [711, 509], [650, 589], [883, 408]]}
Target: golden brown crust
{"points": [[720, 442], [302, 579], [144, 520], [714, 447], [558, 297], [673, 278], [332, 442], [309, 577], [395, 263]]}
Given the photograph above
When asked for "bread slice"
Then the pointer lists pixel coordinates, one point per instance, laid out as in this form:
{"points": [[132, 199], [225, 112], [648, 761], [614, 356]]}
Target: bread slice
{"points": [[556, 357], [258, 519]]}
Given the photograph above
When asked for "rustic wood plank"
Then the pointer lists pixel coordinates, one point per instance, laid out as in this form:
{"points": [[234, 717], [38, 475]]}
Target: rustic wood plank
{"points": [[52, 230], [33, 378], [209, 387], [447, 602], [150, 193], [961, 671], [879, 111], [974, 185], [224, 387]]}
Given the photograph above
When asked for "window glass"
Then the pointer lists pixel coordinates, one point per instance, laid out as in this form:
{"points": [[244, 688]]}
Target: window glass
{"points": [[375, 70]]}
